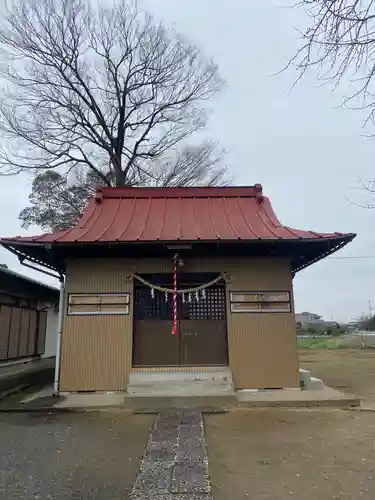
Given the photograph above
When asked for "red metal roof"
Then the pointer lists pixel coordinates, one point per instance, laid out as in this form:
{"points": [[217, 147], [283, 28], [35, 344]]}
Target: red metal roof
{"points": [[176, 214]]}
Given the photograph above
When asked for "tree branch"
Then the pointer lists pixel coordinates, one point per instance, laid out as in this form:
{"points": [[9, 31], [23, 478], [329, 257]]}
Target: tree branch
{"points": [[104, 87]]}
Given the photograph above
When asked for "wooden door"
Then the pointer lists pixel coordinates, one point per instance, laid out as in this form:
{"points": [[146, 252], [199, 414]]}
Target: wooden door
{"points": [[153, 342], [203, 329]]}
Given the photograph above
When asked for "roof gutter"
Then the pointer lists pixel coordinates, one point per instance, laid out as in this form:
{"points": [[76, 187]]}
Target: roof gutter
{"points": [[324, 255], [22, 257], [30, 266], [58, 338]]}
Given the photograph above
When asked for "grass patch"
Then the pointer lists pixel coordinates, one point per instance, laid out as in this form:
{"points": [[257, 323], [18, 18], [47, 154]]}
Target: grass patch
{"points": [[333, 343]]}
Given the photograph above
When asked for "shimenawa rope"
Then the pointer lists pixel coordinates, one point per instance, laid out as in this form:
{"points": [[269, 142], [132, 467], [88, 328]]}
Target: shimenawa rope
{"points": [[169, 290]]}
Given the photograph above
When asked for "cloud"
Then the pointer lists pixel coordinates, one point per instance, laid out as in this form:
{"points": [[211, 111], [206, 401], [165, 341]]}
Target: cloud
{"points": [[305, 151]]}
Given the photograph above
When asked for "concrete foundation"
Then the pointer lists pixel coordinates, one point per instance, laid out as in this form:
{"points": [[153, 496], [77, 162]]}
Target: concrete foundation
{"points": [[213, 382], [210, 391], [292, 398]]}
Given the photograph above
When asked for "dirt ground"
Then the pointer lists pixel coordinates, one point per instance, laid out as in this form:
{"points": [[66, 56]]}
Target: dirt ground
{"points": [[348, 370], [282, 454], [306, 454]]}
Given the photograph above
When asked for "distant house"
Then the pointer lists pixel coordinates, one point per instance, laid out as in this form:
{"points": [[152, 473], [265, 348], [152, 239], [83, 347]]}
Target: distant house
{"points": [[353, 325], [305, 318], [324, 326], [28, 318]]}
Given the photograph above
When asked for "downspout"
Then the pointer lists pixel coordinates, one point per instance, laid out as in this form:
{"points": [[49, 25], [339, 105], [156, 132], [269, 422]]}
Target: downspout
{"points": [[58, 337]]}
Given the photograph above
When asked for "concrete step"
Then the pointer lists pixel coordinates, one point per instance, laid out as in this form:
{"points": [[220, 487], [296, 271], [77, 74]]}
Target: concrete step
{"points": [[308, 382], [315, 384], [295, 398], [304, 377], [179, 390], [216, 381], [155, 404]]}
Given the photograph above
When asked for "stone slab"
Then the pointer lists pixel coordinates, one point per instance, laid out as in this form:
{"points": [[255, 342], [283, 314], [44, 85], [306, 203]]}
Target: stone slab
{"points": [[171, 496], [191, 477], [175, 464]]}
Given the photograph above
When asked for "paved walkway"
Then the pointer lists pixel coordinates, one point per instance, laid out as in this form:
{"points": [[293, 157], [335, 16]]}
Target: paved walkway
{"points": [[29, 367], [175, 465], [16, 376]]}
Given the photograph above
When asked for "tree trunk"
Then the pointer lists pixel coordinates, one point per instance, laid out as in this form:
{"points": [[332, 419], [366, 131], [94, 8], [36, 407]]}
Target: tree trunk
{"points": [[119, 173]]}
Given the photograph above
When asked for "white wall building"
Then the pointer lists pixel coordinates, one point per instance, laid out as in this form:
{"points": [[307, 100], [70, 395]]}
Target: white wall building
{"points": [[305, 318]]}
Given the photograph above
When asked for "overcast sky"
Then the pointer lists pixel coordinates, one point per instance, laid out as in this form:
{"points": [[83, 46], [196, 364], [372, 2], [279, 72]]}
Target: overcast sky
{"points": [[305, 150]]}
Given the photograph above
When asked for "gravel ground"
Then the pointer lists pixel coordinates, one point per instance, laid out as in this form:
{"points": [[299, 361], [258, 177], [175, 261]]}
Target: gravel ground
{"points": [[73, 456]]}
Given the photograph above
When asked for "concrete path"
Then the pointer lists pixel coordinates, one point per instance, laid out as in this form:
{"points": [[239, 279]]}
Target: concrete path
{"points": [[30, 367], [175, 465], [16, 376]]}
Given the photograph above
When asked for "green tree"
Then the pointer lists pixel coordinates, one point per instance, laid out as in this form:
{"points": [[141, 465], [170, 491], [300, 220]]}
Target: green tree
{"points": [[57, 201]]}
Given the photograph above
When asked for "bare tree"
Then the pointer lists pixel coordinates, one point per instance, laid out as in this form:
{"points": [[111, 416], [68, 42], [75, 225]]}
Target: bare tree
{"points": [[191, 166], [339, 43], [98, 86], [57, 201]]}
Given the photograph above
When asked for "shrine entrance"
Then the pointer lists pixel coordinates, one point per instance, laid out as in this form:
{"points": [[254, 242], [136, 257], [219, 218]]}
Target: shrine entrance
{"points": [[201, 338]]}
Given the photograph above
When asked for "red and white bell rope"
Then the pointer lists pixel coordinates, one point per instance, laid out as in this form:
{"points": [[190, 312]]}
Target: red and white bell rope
{"points": [[174, 329]]}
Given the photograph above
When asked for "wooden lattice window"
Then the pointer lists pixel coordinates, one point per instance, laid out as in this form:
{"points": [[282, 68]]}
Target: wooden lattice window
{"points": [[211, 307], [260, 302], [98, 303], [155, 306]]}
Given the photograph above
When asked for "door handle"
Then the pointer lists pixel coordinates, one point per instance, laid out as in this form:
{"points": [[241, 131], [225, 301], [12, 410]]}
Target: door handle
{"points": [[190, 334]]}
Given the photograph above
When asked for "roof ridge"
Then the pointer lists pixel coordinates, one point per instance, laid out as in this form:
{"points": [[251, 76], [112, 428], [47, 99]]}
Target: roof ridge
{"points": [[255, 191]]}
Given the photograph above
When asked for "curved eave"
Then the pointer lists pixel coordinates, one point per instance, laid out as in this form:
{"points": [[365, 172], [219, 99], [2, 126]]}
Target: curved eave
{"points": [[302, 252], [334, 244]]}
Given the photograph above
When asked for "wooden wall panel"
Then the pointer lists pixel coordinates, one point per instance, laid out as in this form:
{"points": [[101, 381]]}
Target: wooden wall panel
{"points": [[24, 333], [31, 347], [95, 353], [263, 351], [5, 317], [41, 332], [97, 350], [15, 325]]}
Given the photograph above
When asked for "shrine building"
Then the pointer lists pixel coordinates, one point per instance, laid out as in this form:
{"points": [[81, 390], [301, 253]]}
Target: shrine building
{"points": [[176, 280]]}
